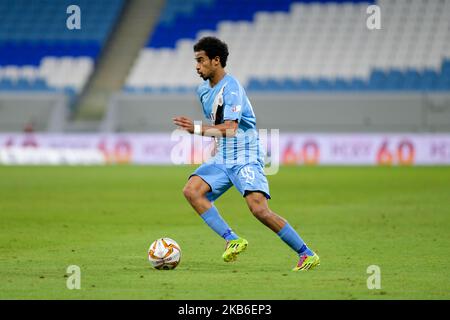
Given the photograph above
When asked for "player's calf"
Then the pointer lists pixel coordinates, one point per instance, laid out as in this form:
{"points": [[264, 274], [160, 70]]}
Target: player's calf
{"points": [[257, 203]]}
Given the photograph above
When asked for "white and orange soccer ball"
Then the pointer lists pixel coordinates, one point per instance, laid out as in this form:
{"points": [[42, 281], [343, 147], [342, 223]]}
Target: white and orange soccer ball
{"points": [[164, 253]]}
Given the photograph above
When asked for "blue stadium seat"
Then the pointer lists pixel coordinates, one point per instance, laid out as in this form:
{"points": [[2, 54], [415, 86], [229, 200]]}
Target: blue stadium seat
{"points": [[342, 85], [23, 85], [394, 80], [359, 85], [273, 85], [40, 85], [429, 80], [289, 84], [183, 19], [443, 83], [324, 84], [32, 30], [377, 80], [446, 68], [6, 85], [412, 80], [305, 85], [255, 85]]}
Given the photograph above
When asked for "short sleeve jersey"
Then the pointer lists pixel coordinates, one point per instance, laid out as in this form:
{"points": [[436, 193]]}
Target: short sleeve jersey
{"points": [[227, 100]]}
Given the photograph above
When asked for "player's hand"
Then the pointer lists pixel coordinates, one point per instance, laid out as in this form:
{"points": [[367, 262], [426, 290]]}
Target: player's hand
{"points": [[184, 123]]}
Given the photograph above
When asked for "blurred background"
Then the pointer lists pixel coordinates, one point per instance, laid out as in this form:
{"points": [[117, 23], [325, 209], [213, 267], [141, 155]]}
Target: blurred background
{"points": [[338, 91]]}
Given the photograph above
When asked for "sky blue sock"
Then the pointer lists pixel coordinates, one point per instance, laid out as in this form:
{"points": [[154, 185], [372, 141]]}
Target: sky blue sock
{"points": [[293, 240], [216, 222]]}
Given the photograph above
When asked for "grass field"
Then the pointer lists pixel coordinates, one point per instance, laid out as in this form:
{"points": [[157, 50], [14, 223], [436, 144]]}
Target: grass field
{"points": [[104, 218]]}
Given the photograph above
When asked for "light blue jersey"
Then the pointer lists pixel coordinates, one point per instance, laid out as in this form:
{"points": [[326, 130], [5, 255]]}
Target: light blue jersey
{"points": [[239, 160], [227, 100]]}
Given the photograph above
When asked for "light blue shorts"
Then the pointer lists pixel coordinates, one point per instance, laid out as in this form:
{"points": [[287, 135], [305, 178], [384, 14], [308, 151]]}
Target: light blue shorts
{"points": [[246, 178]]}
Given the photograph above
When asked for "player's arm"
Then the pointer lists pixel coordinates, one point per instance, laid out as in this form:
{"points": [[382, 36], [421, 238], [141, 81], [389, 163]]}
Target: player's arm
{"points": [[226, 129]]}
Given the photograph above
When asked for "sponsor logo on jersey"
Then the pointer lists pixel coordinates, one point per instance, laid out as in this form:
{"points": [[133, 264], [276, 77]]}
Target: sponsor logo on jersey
{"points": [[236, 108]]}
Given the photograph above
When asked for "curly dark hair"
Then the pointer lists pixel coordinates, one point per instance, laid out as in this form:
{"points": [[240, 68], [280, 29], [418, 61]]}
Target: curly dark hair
{"points": [[213, 47]]}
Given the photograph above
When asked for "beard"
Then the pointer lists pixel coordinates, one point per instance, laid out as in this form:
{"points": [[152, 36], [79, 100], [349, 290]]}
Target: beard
{"points": [[204, 77]]}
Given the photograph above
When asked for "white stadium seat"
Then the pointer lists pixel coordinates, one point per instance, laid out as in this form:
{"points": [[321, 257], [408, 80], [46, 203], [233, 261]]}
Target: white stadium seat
{"points": [[312, 40]]}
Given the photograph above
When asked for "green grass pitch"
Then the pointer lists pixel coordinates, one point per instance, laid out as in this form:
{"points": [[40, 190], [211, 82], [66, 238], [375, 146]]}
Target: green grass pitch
{"points": [[103, 219]]}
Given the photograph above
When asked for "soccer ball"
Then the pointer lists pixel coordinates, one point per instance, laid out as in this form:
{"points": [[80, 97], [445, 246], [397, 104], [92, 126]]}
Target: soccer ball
{"points": [[164, 253]]}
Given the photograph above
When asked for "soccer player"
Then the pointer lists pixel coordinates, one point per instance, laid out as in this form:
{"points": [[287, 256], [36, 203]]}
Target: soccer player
{"points": [[238, 159]]}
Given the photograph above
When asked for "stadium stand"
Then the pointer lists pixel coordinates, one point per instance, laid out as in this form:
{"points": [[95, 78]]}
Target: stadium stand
{"points": [[297, 46], [39, 53]]}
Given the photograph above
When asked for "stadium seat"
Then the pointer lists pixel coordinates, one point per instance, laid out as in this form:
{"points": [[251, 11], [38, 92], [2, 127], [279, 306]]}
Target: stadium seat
{"points": [[304, 45], [37, 54]]}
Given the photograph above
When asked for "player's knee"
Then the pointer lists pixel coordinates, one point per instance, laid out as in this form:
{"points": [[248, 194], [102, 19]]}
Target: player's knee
{"points": [[190, 193]]}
